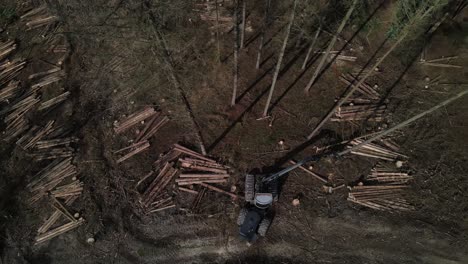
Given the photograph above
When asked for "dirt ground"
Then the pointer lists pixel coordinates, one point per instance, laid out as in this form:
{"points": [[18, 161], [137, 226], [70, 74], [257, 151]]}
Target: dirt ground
{"points": [[115, 68]]}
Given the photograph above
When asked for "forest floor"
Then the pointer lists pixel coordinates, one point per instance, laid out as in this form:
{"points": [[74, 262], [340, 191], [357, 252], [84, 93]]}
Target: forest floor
{"points": [[114, 69]]}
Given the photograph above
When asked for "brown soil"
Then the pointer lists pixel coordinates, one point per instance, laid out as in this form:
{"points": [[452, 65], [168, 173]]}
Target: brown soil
{"points": [[325, 228]]}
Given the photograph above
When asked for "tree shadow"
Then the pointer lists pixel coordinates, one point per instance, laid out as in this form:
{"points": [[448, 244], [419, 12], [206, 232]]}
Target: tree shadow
{"points": [[252, 85], [324, 134], [223, 60], [361, 27], [413, 57], [276, 102], [238, 119], [249, 108]]}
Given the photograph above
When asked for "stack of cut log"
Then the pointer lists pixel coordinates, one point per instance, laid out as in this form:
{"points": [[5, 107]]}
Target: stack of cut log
{"points": [[369, 112], [6, 48], [373, 150], [16, 116], [386, 174], [10, 70], [380, 197], [192, 168], [364, 89], [54, 101], [195, 206], [363, 105], [10, 91], [38, 17], [198, 169], [152, 121], [29, 140], [58, 182], [156, 197], [50, 177], [384, 187], [48, 152], [47, 80]]}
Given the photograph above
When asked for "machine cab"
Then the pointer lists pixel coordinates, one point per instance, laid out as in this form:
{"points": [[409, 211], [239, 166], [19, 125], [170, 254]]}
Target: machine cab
{"points": [[263, 200]]}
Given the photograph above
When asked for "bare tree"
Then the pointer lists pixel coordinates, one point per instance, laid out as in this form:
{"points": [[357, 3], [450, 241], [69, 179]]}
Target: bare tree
{"points": [[236, 55], [244, 3], [218, 46], [280, 59], [311, 47], [405, 123], [356, 86], [416, 19], [262, 36], [168, 62], [330, 46]]}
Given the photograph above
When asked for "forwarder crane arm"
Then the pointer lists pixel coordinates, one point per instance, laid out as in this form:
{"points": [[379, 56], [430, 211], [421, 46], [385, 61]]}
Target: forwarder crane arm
{"points": [[277, 175]]}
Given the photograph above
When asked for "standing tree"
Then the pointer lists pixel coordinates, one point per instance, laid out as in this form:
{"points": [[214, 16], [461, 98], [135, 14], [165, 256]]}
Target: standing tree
{"points": [[262, 36], [280, 59], [311, 47], [415, 21], [330, 46], [218, 46], [244, 3], [236, 55]]}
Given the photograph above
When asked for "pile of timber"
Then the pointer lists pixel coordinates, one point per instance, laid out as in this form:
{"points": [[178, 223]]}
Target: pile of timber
{"points": [[373, 150], [48, 79], [53, 101], [200, 172], [11, 90], [16, 116], [364, 89], [191, 171], [380, 197], [6, 48], [36, 133], [362, 105], [198, 169], [59, 171], [156, 197], [152, 121], [15, 110], [10, 70], [38, 17], [59, 183], [386, 174], [351, 112]]}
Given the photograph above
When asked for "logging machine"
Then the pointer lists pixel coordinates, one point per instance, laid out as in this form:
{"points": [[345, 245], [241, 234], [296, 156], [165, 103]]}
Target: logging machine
{"points": [[260, 192]]}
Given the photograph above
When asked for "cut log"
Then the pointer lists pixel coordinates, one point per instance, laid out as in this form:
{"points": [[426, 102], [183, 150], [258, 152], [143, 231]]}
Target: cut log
{"points": [[137, 150], [134, 119], [58, 231], [55, 216], [216, 189]]}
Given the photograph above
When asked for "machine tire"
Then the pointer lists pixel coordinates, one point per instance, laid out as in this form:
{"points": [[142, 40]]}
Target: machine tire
{"points": [[249, 187], [241, 217], [264, 226]]}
